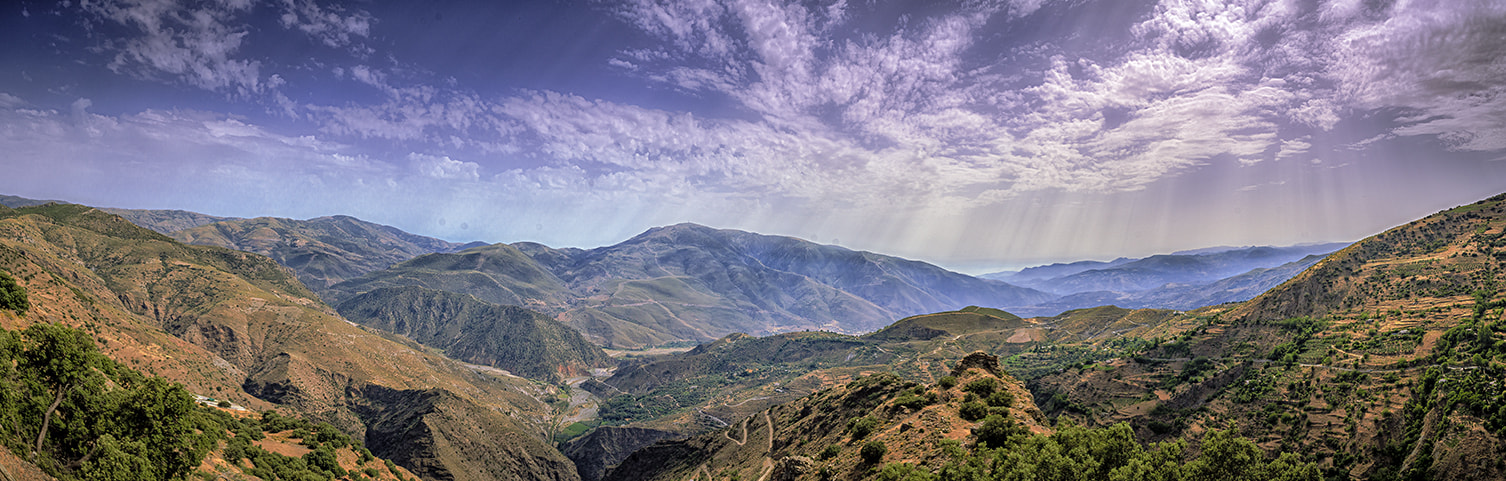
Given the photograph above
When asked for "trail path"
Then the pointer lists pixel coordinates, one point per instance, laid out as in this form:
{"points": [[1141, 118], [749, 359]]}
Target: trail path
{"points": [[768, 451]]}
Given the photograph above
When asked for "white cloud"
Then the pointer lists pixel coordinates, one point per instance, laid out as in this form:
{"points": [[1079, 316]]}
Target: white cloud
{"points": [[198, 47], [443, 167], [332, 25]]}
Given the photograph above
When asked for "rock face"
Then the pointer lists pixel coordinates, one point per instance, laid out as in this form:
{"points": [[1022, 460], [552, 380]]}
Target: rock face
{"points": [[791, 468], [978, 360], [606, 446], [438, 435]]}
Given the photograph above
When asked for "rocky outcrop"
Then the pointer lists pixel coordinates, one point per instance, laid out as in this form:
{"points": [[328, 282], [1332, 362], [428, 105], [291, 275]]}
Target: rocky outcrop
{"points": [[606, 446]]}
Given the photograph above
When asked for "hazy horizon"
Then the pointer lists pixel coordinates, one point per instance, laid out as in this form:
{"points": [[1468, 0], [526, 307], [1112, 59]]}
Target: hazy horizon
{"points": [[979, 136]]}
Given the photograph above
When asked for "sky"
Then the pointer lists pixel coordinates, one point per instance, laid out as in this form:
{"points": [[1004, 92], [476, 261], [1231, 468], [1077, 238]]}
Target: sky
{"points": [[978, 135]]}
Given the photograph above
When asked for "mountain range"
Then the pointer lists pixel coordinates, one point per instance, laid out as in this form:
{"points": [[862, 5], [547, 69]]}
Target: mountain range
{"points": [[691, 283], [1380, 361]]}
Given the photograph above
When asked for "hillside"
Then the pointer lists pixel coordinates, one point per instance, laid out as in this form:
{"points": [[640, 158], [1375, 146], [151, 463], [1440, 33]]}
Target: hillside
{"points": [[689, 282], [1383, 360], [978, 423], [237, 326], [524, 342], [911, 420], [323, 251]]}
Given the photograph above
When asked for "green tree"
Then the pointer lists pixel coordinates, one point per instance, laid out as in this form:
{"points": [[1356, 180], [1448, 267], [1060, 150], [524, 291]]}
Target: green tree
{"points": [[62, 360], [996, 430], [12, 295]]}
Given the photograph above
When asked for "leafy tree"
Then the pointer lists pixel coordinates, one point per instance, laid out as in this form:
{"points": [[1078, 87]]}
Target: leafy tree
{"points": [[12, 295], [62, 360], [997, 429]]}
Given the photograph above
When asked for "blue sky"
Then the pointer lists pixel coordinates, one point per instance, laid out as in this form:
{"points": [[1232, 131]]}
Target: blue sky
{"points": [[976, 135]]}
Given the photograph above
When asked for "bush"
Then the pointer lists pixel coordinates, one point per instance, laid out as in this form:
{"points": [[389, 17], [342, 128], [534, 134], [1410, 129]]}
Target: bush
{"points": [[972, 411], [873, 451], [996, 430], [912, 402], [982, 387], [947, 382], [861, 427], [831, 451], [1000, 399]]}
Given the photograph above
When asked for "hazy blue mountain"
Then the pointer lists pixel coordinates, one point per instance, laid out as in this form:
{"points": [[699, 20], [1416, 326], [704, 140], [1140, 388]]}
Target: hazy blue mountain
{"points": [[1052, 271], [1158, 270], [1236, 288]]}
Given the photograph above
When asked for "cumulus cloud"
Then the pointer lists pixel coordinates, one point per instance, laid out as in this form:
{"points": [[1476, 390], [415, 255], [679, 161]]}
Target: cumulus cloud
{"points": [[443, 167]]}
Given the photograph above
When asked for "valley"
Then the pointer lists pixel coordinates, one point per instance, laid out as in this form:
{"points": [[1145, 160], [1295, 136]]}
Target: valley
{"points": [[1376, 362]]}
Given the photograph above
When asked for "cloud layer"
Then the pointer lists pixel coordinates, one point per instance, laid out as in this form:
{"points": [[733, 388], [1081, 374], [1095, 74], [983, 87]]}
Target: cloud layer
{"points": [[834, 106]]}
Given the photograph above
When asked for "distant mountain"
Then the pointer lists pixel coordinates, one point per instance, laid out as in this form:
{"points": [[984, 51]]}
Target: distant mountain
{"points": [[15, 202], [1156, 271], [524, 342], [324, 250], [167, 221], [1237, 288], [690, 282], [1184, 280], [1053, 271]]}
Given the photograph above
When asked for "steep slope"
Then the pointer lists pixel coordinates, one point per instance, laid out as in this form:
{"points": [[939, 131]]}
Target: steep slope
{"points": [[1383, 360], [324, 250], [524, 342], [238, 326], [910, 420], [689, 282]]}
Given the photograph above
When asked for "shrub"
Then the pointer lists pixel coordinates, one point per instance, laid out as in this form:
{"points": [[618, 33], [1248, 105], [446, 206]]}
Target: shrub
{"points": [[1000, 399], [947, 382], [997, 429], [912, 402], [873, 451], [972, 411], [982, 387], [861, 427], [831, 451]]}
